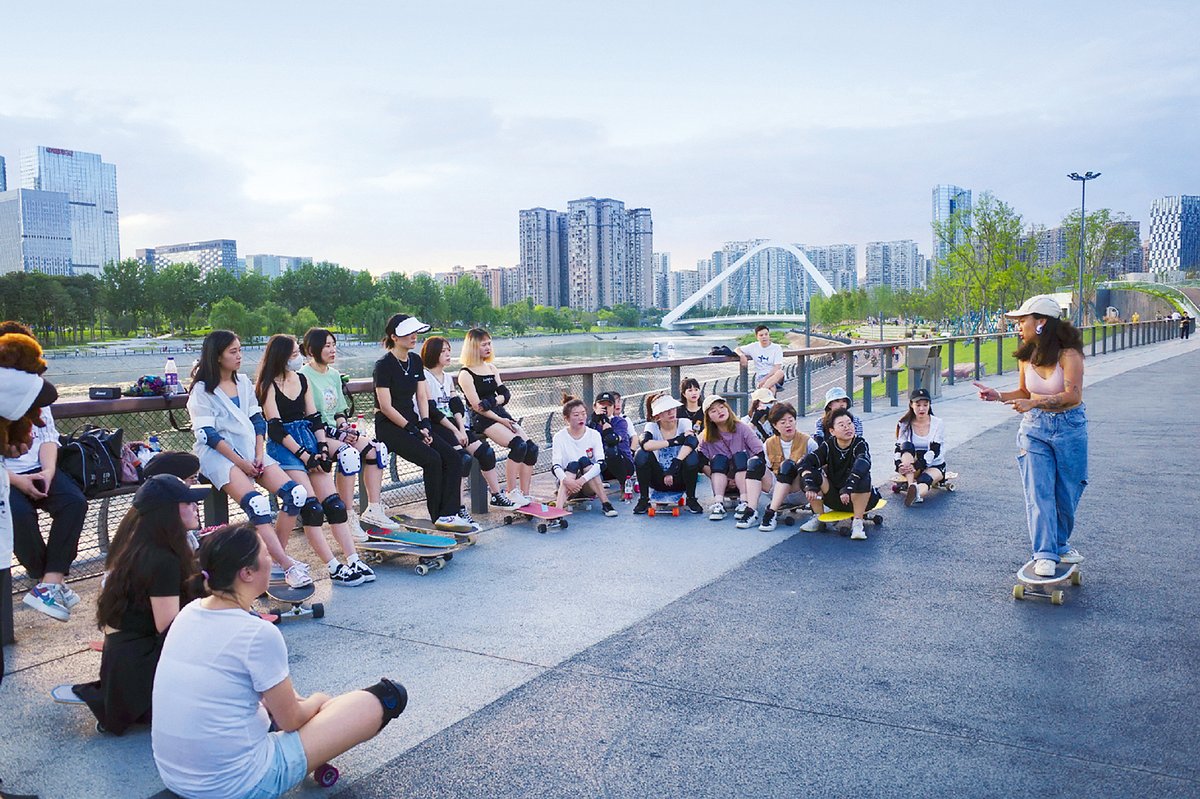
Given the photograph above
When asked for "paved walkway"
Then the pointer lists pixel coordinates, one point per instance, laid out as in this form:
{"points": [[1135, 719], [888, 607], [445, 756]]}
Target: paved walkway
{"points": [[683, 657]]}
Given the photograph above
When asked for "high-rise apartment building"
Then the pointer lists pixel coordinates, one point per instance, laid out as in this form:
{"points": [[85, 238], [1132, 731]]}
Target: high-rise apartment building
{"points": [[681, 285], [1174, 242], [948, 200], [597, 249], [512, 285], [544, 256], [273, 266], [91, 189], [897, 264], [837, 262], [35, 232], [208, 255], [661, 296], [639, 260]]}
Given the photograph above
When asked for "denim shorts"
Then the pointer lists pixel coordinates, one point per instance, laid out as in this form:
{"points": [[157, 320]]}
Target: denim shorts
{"points": [[302, 434], [288, 767]]}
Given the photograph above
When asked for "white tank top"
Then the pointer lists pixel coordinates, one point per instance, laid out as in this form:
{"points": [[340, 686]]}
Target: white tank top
{"points": [[1036, 384]]}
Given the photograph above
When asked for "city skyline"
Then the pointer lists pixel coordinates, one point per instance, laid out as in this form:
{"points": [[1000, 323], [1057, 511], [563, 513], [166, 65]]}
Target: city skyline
{"points": [[377, 160]]}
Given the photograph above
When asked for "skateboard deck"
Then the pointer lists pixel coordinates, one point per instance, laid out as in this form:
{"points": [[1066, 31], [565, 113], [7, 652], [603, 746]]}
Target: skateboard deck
{"points": [[900, 484], [415, 538], [1031, 585], [295, 599], [416, 526], [548, 517], [788, 512], [428, 558], [665, 503], [65, 694], [833, 516]]}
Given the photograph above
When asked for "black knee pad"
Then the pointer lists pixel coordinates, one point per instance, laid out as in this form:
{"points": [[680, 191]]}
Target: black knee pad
{"points": [[788, 471], [531, 454], [573, 468], [741, 461], [926, 478], [465, 458], [335, 509], [392, 698], [691, 441], [908, 447], [642, 459], [692, 461], [311, 513], [860, 477], [585, 463], [486, 457], [756, 468], [719, 464], [517, 448]]}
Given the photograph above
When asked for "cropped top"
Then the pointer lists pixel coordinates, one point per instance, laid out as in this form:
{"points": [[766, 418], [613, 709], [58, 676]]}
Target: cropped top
{"points": [[1036, 384]]}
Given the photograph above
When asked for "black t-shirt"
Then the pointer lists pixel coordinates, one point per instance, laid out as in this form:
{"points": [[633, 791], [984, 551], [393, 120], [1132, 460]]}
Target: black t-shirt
{"points": [[401, 380], [163, 568]]}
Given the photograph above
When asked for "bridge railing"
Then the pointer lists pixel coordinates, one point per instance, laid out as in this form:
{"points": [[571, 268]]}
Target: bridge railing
{"points": [[537, 394]]}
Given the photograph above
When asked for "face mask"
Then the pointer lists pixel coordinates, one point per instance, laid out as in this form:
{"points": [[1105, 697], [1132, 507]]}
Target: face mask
{"points": [[294, 364]]}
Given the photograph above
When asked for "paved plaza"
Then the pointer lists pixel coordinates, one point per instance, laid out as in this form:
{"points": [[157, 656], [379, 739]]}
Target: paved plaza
{"points": [[681, 657]]}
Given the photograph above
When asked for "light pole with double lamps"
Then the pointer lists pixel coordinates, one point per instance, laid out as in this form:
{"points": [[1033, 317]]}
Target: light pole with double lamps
{"points": [[1083, 179]]}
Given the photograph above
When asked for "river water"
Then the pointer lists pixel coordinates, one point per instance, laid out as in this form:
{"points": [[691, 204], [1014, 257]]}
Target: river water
{"points": [[122, 364]]}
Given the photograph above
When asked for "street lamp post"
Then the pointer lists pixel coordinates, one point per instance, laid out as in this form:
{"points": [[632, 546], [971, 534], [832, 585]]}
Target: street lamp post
{"points": [[1083, 179]]}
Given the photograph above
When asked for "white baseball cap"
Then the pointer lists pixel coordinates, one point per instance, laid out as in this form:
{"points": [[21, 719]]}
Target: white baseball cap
{"points": [[407, 327], [664, 403], [764, 396], [1041, 304], [20, 391]]}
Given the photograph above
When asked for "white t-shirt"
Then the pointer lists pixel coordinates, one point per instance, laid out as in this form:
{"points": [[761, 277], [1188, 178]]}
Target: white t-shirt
{"points": [[440, 392], [210, 727], [765, 358], [568, 448]]}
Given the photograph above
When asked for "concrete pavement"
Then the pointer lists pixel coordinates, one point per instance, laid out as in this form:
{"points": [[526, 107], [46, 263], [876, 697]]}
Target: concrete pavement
{"points": [[683, 657]]}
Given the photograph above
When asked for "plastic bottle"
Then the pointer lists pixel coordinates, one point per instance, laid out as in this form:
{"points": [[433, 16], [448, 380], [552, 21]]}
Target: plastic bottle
{"points": [[171, 376], [153, 444], [628, 492]]}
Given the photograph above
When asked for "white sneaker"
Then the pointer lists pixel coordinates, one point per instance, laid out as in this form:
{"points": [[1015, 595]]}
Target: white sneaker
{"points": [[813, 525], [746, 519], [740, 508], [375, 516], [297, 575], [71, 599], [857, 532], [357, 533], [454, 523], [717, 512], [1070, 556], [518, 499], [1043, 567], [44, 598]]}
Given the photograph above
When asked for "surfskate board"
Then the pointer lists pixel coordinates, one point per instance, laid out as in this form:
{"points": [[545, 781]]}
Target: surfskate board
{"points": [[1031, 585], [294, 599], [835, 516], [665, 503], [543, 514], [900, 485], [428, 558]]}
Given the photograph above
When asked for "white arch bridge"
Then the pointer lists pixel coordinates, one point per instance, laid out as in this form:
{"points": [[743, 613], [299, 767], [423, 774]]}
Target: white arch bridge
{"points": [[674, 319]]}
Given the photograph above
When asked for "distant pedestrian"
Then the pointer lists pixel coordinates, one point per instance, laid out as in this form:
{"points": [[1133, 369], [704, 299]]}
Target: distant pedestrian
{"points": [[1053, 435], [1185, 326]]}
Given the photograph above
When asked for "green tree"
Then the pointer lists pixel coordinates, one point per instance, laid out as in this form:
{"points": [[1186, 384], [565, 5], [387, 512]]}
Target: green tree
{"points": [[1108, 238], [123, 294], [323, 287], [304, 319], [398, 286], [229, 314], [468, 303], [177, 290], [275, 318], [219, 284], [627, 315], [427, 300]]}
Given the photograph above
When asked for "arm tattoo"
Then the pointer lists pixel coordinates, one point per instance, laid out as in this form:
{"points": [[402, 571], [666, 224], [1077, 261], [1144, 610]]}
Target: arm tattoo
{"points": [[1059, 401]]}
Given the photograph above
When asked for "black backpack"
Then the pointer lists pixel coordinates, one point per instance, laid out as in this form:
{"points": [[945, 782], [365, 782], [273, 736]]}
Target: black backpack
{"points": [[92, 457]]}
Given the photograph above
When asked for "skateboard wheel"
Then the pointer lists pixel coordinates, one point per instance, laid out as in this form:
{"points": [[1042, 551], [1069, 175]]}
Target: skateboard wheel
{"points": [[421, 569], [1076, 578], [448, 556], [562, 524], [950, 487], [1018, 592], [1056, 597], [652, 511], [896, 488], [877, 520], [508, 520], [318, 610], [789, 520], [439, 564], [326, 775], [541, 528]]}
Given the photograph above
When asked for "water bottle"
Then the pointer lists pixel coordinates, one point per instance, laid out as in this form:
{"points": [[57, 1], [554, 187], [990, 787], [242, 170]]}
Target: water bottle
{"points": [[171, 376], [153, 444], [628, 492]]}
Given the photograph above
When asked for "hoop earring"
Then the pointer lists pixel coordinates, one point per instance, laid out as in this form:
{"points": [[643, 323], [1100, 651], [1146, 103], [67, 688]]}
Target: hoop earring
{"points": [[1039, 328]]}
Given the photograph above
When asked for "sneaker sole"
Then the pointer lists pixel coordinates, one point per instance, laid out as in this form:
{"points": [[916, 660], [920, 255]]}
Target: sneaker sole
{"points": [[44, 609]]}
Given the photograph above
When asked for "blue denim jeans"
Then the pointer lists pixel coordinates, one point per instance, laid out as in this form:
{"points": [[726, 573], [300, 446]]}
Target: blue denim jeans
{"points": [[1053, 464]]}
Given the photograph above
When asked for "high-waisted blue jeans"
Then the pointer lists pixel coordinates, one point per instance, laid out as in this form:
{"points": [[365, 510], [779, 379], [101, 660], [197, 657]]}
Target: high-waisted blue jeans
{"points": [[1053, 464]]}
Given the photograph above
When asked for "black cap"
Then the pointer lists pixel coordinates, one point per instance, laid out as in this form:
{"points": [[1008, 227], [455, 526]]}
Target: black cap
{"points": [[181, 464], [167, 489], [919, 394], [606, 396]]}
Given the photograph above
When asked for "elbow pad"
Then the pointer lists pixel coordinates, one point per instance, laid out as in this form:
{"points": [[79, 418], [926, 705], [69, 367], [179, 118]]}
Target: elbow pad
{"points": [[314, 422], [502, 391], [935, 447], [275, 431], [646, 438], [260, 424], [610, 438], [209, 436], [456, 407]]}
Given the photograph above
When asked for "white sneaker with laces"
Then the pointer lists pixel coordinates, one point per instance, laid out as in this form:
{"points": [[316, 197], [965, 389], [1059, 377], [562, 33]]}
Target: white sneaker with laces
{"points": [[45, 599], [747, 519], [368, 574], [297, 575], [813, 525], [68, 597], [857, 532], [375, 516], [345, 575], [717, 512], [518, 499], [1070, 556], [356, 531], [454, 523], [1043, 567]]}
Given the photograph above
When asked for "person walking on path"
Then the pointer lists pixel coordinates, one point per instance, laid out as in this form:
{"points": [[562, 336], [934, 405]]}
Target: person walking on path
{"points": [[1052, 440]]}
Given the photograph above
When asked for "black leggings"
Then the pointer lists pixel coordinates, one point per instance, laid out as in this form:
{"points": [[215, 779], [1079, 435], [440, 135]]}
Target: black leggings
{"points": [[617, 467], [440, 463], [650, 474]]}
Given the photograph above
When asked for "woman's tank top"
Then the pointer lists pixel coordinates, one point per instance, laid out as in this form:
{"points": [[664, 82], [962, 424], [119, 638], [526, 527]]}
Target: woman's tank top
{"points": [[1036, 384], [485, 385], [291, 410]]}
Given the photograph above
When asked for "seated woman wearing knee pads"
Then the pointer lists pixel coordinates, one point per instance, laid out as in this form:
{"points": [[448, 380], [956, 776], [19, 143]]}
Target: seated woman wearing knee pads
{"points": [[783, 452], [296, 439], [488, 397], [223, 679], [354, 454], [728, 445], [401, 422], [448, 415], [837, 474], [669, 457], [231, 445], [920, 458], [579, 458]]}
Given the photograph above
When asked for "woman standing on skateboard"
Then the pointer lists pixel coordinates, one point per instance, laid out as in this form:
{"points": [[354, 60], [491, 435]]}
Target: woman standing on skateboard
{"points": [[1052, 438], [579, 458], [669, 457], [837, 474], [919, 438], [148, 571], [223, 679], [401, 422], [231, 445], [480, 382]]}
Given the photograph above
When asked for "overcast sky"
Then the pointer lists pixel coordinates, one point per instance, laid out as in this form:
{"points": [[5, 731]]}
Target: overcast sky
{"points": [[405, 135]]}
